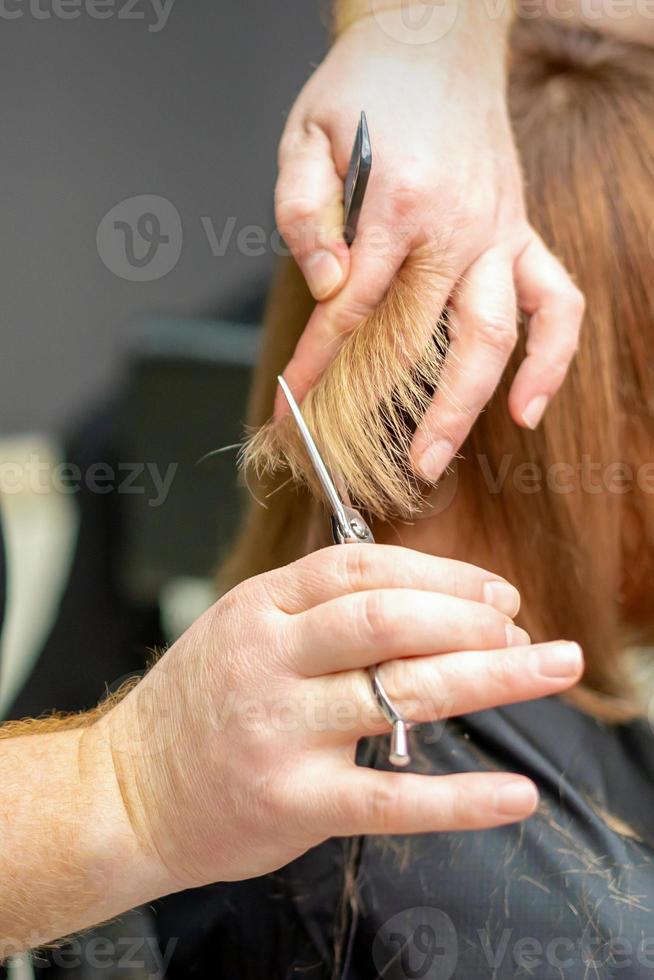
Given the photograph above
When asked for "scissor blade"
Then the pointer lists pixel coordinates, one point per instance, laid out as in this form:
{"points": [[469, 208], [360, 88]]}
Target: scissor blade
{"points": [[314, 455]]}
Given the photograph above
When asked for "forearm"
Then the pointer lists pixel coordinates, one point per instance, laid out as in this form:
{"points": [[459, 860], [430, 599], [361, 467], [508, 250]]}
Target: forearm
{"points": [[424, 12], [68, 856]]}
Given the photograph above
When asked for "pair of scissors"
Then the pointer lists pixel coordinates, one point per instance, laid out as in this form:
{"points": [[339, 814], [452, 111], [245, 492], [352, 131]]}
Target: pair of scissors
{"points": [[349, 527]]}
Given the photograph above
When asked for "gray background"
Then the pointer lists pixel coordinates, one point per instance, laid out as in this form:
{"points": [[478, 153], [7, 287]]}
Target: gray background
{"points": [[96, 111]]}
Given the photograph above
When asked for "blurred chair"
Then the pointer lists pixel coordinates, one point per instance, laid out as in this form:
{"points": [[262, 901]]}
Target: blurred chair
{"points": [[185, 409]]}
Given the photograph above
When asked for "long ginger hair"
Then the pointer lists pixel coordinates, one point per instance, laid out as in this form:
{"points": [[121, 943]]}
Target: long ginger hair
{"points": [[581, 553]]}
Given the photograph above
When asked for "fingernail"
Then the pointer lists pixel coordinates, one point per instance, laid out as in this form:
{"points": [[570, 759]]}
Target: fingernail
{"points": [[322, 272], [503, 596], [435, 459], [534, 411], [516, 799], [516, 637], [562, 660]]}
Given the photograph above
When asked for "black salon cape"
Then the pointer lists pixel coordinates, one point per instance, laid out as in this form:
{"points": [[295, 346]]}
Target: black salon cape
{"points": [[566, 895]]}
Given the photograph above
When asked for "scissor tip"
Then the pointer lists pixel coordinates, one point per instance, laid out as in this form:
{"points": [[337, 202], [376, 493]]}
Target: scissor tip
{"points": [[286, 390]]}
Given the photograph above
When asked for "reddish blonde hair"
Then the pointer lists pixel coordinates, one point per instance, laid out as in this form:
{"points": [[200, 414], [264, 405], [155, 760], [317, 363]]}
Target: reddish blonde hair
{"points": [[583, 560]]}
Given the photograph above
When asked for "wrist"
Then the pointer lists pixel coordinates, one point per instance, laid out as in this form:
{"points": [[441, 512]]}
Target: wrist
{"points": [[123, 865]]}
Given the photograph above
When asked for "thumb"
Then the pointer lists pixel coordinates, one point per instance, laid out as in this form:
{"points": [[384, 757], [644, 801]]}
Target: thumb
{"points": [[309, 210]]}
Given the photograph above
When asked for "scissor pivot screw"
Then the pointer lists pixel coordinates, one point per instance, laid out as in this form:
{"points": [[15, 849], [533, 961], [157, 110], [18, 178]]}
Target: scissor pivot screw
{"points": [[359, 530], [348, 525]]}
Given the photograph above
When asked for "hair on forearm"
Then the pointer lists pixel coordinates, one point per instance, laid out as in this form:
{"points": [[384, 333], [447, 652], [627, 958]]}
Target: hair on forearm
{"points": [[58, 721]]}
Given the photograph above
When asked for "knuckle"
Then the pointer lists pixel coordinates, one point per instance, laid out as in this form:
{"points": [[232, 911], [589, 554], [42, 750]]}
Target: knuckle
{"points": [[262, 592], [293, 210], [497, 332], [244, 594], [457, 806], [565, 350], [346, 812], [410, 190], [304, 570], [375, 620], [354, 566], [554, 365], [575, 302], [403, 679], [295, 139], [288, 147], [352, 314], [461, 585], [475, 205], [359, 689], [275, 795], [382, 805], [557, 368]]}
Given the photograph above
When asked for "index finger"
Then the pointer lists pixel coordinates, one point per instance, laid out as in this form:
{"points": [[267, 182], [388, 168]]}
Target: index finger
{"points": [[342, 569]]}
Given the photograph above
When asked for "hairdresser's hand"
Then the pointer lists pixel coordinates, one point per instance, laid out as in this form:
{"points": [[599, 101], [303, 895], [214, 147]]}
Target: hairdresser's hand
{"points": [[446, 188], [236, 752]]}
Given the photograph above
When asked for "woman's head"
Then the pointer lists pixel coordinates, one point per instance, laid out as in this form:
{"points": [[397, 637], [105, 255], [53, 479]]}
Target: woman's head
{"points": [[566, 512]]}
